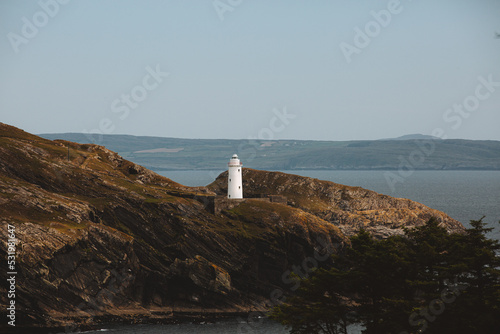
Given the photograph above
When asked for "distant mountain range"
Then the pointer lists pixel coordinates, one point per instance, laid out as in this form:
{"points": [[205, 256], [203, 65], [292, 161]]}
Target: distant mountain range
{"points": [[411, 151], [416, 136]]}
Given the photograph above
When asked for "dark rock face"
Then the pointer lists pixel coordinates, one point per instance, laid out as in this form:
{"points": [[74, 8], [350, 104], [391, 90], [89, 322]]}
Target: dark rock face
{"points": [[100, 238]]}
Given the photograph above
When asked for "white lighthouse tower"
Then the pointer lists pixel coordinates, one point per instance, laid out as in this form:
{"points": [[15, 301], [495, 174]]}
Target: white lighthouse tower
{"points": [[234, 180]]}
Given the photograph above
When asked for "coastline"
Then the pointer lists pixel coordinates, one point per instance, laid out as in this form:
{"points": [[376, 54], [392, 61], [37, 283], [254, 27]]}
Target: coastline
{"points": [[160, 316]]}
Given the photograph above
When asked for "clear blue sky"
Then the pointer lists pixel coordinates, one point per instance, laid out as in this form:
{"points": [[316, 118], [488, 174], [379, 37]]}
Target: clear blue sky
{"points": [[230, 63]]}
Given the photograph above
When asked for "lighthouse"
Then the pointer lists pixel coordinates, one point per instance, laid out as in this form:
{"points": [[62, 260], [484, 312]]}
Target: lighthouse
{"points": [[234, 179]]}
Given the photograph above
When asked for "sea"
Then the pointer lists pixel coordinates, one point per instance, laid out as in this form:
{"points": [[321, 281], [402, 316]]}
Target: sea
{"points": [[228, 326], [463, 195]]}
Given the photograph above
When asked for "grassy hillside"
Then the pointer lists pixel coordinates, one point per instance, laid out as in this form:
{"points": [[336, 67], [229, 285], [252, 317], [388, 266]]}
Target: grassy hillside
{"points": [[174, 153]]}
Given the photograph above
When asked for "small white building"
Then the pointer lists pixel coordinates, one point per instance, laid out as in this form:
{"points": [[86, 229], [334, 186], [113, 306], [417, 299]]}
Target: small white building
{"points": [[235, 179]]}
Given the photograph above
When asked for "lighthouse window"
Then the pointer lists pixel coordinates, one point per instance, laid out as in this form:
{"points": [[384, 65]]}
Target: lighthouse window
{"points": [[229, 180], [238, 169], [239, 187]]}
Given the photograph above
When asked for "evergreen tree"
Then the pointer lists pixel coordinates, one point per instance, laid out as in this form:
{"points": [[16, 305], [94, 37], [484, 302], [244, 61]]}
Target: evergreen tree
{"points": [[318, 307], [428, 281], [470, 297]]}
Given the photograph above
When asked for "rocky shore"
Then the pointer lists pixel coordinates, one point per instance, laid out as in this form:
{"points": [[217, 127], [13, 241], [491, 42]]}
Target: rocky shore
{"points": [[100, 239]]}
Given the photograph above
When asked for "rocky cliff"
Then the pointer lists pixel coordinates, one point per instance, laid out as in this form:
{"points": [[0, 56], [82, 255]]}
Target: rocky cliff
{"points": [[348, 208], [101, 239]]}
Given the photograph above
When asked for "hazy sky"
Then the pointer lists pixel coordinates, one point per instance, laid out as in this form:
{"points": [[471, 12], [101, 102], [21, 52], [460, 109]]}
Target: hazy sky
{"points": [[325, 70]]}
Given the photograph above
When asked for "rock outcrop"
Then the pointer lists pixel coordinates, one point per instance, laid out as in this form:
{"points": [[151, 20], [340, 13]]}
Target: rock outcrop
{"points": [[348, 208], [100, 238]]}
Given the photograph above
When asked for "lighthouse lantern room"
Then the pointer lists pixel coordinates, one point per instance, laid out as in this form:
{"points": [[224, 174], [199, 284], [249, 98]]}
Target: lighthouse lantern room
{"points": [[234, 180]]}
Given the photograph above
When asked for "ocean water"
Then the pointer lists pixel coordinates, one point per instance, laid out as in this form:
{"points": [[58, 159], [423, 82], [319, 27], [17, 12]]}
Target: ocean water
{"points": [[463, 195], [232, 326]]}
